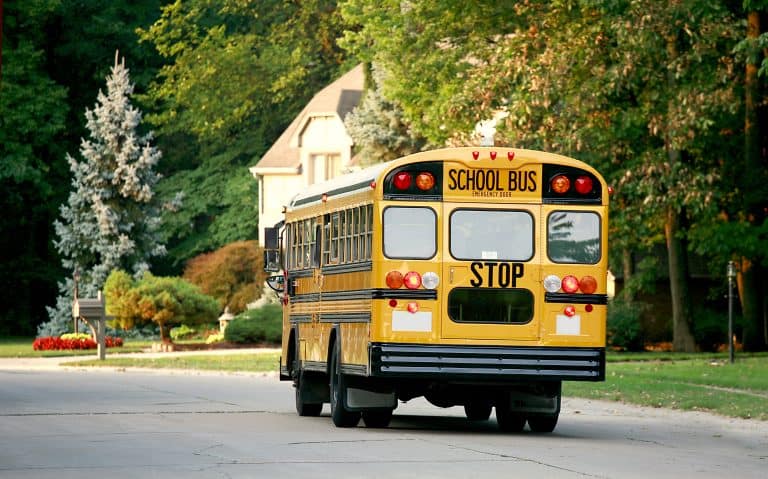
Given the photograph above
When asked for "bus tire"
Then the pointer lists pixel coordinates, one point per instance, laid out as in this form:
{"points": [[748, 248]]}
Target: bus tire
{"points": [[377, 418], [340, 415], [304, 408], [509, 421], [478, 410], [543, 423]]}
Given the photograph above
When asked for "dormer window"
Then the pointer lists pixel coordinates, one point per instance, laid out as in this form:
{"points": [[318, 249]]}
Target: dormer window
{"points": [[324, 166]]}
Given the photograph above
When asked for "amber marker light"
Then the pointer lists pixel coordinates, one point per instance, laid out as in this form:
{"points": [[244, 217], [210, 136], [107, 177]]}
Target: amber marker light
{"points": [[560, 184], [425, 181], [394, 279], [588, 285]]}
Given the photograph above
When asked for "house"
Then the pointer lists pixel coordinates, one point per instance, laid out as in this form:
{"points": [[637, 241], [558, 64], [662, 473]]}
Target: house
{"points": [[315, 147]]}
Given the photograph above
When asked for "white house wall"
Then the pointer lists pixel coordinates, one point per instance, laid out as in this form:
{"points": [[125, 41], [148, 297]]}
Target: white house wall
{"points": [[278, 190], [323, 135]]}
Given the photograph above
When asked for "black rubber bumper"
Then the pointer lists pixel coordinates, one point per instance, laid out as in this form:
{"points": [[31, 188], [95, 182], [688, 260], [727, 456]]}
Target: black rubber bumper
{"points": [[494, 363]]}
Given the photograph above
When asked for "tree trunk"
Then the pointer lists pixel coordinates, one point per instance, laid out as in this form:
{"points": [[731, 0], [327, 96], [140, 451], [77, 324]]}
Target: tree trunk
{"points": [[682, 337], [752, 289], [627, 270], [752, 293], [677, 254]]}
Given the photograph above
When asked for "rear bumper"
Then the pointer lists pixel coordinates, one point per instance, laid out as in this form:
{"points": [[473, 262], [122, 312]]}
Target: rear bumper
{"points": [[487, 363]]}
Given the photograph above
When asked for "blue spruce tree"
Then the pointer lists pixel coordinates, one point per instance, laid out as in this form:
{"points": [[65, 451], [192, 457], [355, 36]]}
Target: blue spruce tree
{"points": [[111, 218]]}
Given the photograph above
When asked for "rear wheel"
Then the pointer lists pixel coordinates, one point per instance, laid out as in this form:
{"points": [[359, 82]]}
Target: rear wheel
{"points": [[303, 407], [478, 410], [340, 415], [543, 423], [377, 418]]}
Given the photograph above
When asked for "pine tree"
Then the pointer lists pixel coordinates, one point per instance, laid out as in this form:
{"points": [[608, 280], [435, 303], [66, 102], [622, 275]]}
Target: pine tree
{"points": [[111, 218], [378, 126]]}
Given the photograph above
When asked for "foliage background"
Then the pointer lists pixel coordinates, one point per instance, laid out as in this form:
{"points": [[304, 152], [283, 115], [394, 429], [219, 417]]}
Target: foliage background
{"points": [[666, 98]]}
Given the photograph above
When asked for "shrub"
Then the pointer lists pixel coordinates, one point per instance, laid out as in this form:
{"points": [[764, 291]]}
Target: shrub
{"points": [[233, 274], [256, 325], [214, 338], [710, 328], [75, 336], [182, 332], [166, 301], [624, 330]]}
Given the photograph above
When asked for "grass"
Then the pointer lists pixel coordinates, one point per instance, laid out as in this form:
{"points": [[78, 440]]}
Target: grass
{"points": [[260, 362], [700, 384]]}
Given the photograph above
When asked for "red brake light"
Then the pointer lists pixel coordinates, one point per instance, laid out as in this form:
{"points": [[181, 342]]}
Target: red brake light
{"points": [[402, 180], [412, 280], [395, 279], [588, 285], [560, 184], [570, 284], [569, 311], [583, 185], [425, 181]]}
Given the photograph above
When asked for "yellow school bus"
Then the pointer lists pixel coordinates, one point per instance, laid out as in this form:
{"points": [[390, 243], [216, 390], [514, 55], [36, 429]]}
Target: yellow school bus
{"points": [[473, 277]]}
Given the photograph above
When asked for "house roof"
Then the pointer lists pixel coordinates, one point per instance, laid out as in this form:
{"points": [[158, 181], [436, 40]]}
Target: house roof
{"points": [[338, 98]]}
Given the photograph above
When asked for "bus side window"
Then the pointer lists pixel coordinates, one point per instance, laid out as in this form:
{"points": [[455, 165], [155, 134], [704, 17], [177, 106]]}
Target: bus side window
{"points": [[334, 258], [316, 246]]}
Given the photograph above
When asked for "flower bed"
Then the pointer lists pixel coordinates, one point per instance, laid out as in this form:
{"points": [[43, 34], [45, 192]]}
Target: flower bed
{"points": [[50, 343]]}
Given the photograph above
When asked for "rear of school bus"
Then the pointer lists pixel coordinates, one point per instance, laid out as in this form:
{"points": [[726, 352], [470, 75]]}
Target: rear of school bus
{"points": [[491, 280]]}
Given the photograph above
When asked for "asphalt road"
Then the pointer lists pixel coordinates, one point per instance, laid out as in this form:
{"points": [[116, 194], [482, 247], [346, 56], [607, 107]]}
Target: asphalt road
{"points": [[128, 424]]}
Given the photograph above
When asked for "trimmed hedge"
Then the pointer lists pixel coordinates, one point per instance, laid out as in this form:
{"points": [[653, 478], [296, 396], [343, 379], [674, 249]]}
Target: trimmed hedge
{"points": [[264, 324]]}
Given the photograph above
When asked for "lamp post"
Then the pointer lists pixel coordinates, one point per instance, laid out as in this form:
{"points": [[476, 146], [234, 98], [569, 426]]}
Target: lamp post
{"points": [[731, 273]]}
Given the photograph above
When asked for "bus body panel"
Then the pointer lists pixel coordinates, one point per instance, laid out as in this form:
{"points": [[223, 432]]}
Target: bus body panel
{"points": [[489, 323]]}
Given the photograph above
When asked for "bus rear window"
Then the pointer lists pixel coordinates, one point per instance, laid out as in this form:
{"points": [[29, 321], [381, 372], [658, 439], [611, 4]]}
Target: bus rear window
{"points": [[486, 305], [492, 234], [573, 237], [410, 232]]}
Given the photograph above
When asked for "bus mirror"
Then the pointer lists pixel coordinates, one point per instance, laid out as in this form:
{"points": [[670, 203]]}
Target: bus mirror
{"points": [[272, 237], [271, 260], [276, 283]]}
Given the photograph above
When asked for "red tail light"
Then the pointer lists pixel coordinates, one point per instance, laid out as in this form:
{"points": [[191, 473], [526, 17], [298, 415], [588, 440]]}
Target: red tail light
{"points": [[402, 180], [583, 185], [569, 311], [570, 284], [412, 280], [395, 279], [588, 285], [560, 184]]}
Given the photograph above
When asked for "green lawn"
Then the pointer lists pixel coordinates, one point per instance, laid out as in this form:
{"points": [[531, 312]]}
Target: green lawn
{"points": [[705, 384], [260, 362]]}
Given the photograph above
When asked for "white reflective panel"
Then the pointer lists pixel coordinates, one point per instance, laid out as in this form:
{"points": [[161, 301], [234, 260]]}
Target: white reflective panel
{"points": [[410, 232], [491, 234]]}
